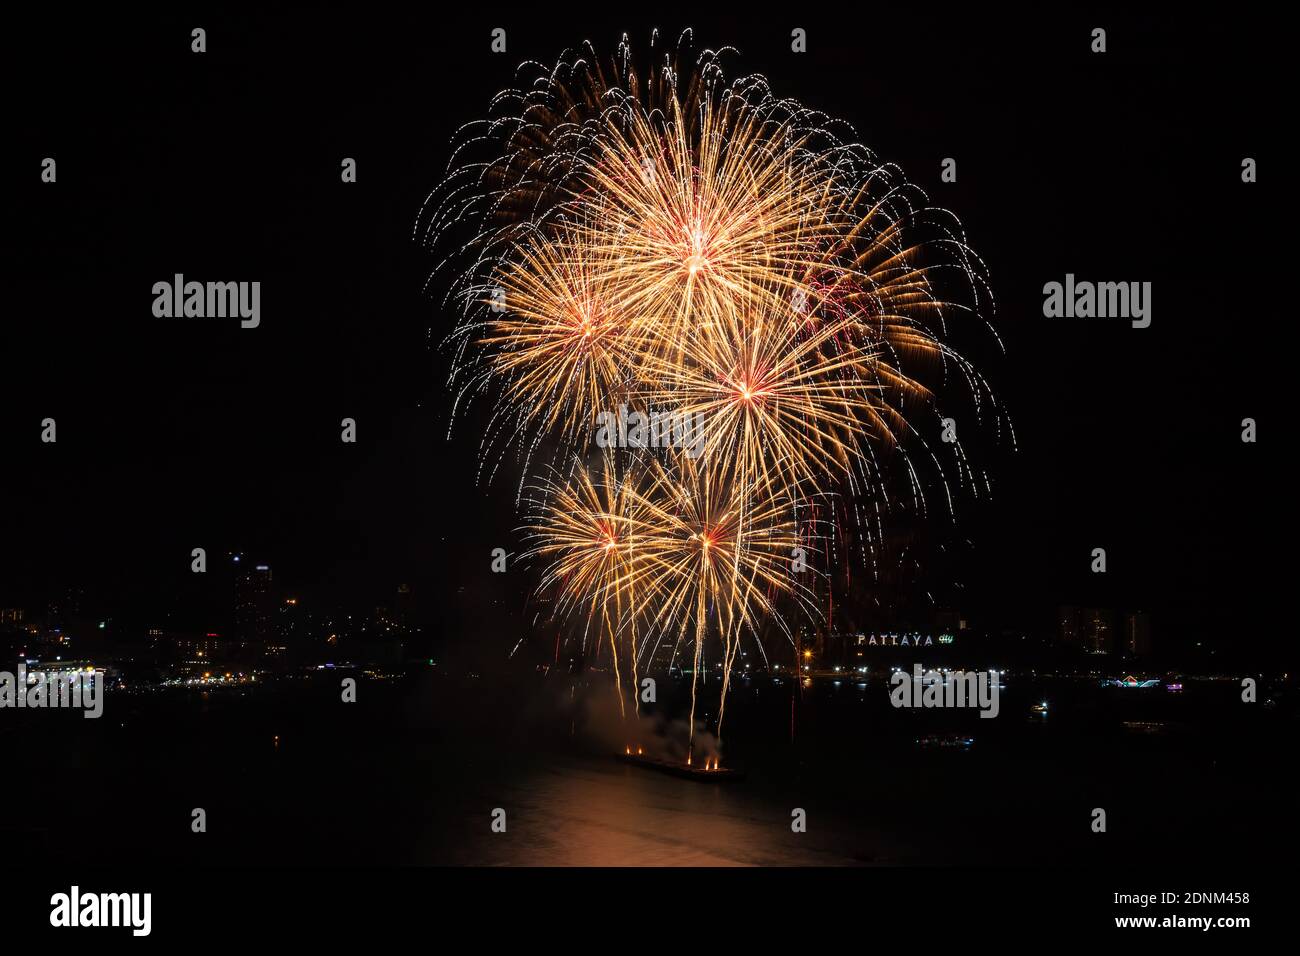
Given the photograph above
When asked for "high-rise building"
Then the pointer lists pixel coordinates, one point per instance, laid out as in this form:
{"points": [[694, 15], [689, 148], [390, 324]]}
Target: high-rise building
{"points": [[947, 621], [1137, 634], [1088, 629], [66, 607], [253, 603], [1098, 631], [1067, 617]]}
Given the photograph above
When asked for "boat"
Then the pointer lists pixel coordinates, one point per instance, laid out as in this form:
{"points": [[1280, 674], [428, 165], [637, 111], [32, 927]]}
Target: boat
{"points": [[945, 741], [1145, 726], [702, 772]]}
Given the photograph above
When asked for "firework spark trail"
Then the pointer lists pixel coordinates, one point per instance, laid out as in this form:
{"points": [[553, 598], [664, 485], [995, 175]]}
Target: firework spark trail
{"points": [[776, 400], [707, 546], [589, 533], [672, 240], [566, 347]]}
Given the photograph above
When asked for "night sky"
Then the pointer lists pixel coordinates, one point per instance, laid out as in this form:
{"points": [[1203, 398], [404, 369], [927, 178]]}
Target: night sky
{"points": [[175, 434]]}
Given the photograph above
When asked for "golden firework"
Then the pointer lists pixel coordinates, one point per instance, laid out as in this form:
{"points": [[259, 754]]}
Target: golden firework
{"points": [[672, 241]]}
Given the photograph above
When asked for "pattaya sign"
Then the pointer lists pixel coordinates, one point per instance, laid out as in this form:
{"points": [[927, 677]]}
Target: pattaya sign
{"points": [[902, 640]]}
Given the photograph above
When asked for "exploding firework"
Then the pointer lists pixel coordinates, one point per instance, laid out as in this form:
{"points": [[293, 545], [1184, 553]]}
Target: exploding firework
{"points": [[676, 241], [780, 402], [565, 345], [667, 553], [594, 534], [719, 551]]}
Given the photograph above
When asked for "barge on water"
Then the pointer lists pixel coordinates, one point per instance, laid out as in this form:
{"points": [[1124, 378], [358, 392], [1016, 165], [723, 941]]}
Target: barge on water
{"points": [[709, 773]]}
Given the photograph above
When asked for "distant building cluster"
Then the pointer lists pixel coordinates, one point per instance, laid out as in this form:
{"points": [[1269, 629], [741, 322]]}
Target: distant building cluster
{"points": [[1104, 631], [260, 629]]}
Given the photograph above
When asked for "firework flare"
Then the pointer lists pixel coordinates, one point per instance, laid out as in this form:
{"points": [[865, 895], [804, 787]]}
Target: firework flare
{"points": [[679, 242]]}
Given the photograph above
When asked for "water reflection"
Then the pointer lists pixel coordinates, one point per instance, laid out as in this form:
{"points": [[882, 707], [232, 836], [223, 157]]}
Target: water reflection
{"points": [[583, 812]]}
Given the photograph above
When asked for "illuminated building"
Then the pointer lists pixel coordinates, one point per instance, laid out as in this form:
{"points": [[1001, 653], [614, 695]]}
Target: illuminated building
{"points": [[253, 603], [1137, 634], [1088, 629]]}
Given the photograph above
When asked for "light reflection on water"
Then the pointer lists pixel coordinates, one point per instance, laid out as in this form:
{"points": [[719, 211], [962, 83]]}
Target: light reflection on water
{"points": [[580, 812]]}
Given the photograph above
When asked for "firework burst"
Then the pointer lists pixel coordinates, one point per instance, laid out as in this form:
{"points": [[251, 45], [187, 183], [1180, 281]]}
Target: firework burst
{"points": [[717, 551], [562, 340], [673, 240], [593, 534]]}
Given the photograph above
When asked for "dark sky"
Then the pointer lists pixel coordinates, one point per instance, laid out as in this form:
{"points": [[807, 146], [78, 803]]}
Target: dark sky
{"points": [[1123, 167]]}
